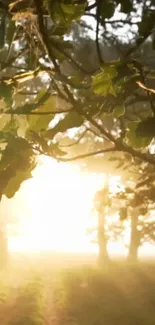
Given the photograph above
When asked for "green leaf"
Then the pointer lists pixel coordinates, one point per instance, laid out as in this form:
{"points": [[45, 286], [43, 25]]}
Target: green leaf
{"points": [[59, 47], [11, 126], [16, 165], [6, 92], [133, 139], [71, 120], [132, 78], [146, 127], [110, 68], [40, 100], [10, 31], [16, 148], [119, 110], [40, 95], [151, 74], [2, 30], [59, 30], [76, 82], [4, 119], [37, 139], [64, 13], [102, 82], [41, 122], [5, 136], [73, 11], [15, 183], [107, 9], [22, 125], [126, 6]]}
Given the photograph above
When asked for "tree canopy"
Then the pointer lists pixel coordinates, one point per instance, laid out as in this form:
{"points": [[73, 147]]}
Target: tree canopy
{"points": [[47, 90]]}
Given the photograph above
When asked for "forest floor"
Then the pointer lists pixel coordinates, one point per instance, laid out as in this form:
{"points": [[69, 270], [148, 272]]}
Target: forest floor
{"points": [[69, 289]]}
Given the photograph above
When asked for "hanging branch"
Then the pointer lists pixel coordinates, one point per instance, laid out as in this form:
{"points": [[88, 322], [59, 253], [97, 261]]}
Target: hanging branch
{"points": [[118, 144]]}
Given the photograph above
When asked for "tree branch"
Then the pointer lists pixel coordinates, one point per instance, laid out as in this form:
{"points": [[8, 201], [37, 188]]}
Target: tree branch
{"points": [[135, 154], [94, 5], [95, 133], [35, 113], [87, 155], [117, 21], [139, 42], [148, 91], [71, 59], [46, 43], [119, 145]]}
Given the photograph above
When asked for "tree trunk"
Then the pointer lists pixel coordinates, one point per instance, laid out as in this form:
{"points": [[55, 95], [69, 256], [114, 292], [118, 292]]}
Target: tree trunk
{"points": [[102, 241], [134, 239]]}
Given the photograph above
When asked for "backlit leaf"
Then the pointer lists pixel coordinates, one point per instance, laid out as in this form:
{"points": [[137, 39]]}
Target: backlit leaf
{"points": [[119, 110], [102, 82], [107, 9], [146, 127], [71, 120], [41, 122], [15, 182], [64, 13], [151, 74], [10, 31], [133, 139]]}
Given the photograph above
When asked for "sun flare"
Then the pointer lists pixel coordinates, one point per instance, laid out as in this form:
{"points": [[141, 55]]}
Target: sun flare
{"points": [[54, 209], [59, 200]]}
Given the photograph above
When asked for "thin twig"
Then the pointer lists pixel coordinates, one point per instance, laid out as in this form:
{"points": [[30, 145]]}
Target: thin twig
{"points": [[34, 113], [90, 7], [71, 59], [46, 43], [97, 32], [117, 21], [139, 42], [9, 63]]}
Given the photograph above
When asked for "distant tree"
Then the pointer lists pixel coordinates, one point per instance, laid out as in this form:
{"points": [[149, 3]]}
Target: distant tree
{"points": [[108, 228], [101, 204], [135, 203], [138, 206]]}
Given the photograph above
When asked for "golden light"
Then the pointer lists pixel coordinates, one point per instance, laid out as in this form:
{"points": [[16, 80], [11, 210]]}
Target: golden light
{"points": [[55, 207], [59, 200]]}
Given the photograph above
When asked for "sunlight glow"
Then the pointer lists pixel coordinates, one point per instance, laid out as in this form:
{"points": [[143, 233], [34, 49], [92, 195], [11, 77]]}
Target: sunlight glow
{"points": [[56, 209], [59, 199]]}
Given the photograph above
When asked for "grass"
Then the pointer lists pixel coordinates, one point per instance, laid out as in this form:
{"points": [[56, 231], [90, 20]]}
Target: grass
{"points": [[39, 292]]}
